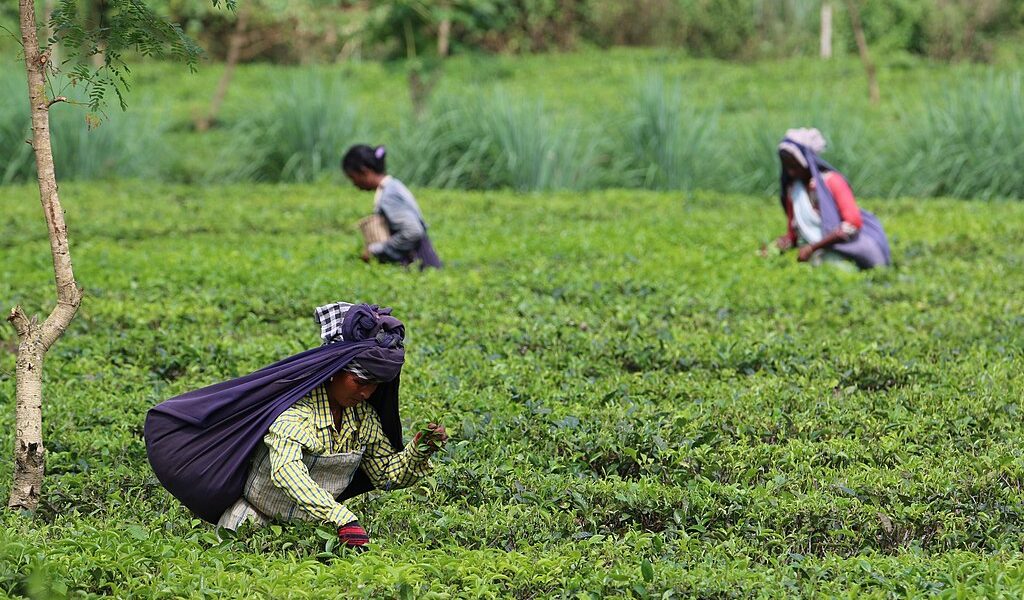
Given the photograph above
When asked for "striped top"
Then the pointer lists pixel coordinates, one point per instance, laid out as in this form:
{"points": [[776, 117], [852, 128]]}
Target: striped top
{"points": [[308, 427]]}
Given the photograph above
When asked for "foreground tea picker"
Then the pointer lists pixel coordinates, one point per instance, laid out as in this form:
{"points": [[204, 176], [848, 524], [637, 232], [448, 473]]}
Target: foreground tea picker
{"points": [[824, 222], [297, 438]]}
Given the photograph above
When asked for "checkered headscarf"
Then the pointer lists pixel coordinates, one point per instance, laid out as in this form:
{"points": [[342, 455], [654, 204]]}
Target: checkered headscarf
{"points": [[331, 317]]}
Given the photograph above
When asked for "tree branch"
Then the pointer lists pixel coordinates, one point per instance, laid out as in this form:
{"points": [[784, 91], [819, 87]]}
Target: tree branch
{"points": [[16, 37], [60, 317], [22, 323], [56, 100], [862, 46]]}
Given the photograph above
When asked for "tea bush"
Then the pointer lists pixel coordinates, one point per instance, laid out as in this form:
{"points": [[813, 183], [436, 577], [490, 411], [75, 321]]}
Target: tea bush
{"points": [[640, 405]]}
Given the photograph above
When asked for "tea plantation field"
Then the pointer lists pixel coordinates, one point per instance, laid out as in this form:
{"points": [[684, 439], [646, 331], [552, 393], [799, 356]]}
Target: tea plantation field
{"points": [[640, 404]]}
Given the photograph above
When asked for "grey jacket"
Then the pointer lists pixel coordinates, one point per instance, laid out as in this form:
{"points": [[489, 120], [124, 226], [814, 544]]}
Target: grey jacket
{"points": [[405, 221]]}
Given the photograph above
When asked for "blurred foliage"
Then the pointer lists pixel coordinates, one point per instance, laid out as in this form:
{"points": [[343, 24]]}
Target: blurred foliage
{"points": [[317, 30], [119, 145], [640, 405], [278, 30], [601, 119], [97, 38], [295, 136], [304, 31]]}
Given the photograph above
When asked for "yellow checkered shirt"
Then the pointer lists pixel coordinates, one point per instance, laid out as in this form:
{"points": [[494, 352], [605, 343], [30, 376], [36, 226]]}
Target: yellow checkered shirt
{"points": [[308, 427]]}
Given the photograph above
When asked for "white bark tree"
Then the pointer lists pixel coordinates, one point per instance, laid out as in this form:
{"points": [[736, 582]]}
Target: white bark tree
{"points": [[444, 29], [35, 338], [135, 25], [853, 6], [826, 30], [234, 52]]}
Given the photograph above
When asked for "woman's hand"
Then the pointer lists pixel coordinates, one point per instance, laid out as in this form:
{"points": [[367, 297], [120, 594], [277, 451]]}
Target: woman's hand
{"points": [[353, 535], [365, 256], [434, 436], [783, 242], [807, 251]]}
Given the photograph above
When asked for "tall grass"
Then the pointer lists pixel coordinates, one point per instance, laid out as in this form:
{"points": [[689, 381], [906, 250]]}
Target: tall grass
{"points": [[969, 144], [533, 151], [120, 145], [442, 150], [670, 140], [497, 141], [117, 145], [299, 135], [962, 142], [749, 159], [749, 164], [16, 163]]}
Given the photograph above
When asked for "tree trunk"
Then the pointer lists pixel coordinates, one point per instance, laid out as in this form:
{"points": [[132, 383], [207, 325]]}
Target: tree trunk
{"points": [[96, 17], [234, 51], [826, 30], [34, 339], [862, 47], [421, 86], [442, 12], [444, 32], [410, 41]]}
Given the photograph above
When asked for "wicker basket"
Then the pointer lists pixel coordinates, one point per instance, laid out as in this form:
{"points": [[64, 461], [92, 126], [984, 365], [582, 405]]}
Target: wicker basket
{"points": [[374, 229]]}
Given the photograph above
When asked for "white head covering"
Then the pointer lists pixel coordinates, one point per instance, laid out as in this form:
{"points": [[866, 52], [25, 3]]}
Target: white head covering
{"points": [[808, 137]]}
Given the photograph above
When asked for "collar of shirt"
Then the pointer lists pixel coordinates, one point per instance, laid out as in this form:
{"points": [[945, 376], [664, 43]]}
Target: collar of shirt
{"points": [[349, 423], [380, 191]]}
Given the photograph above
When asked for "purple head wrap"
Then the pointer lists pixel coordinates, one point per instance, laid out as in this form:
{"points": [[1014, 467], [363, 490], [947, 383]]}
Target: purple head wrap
{"points": [[345, 322]]}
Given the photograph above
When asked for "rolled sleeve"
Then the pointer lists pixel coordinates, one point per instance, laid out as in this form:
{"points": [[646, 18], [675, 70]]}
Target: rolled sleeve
{"points": [[386, 468]]}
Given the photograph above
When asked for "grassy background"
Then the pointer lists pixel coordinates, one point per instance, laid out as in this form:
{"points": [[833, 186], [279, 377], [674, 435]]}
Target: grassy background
{"points": [[617, 119], [640, 405]]}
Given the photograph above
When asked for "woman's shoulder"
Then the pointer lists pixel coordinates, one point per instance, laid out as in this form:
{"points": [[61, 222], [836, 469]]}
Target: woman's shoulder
{"points": [[305, 406], [832, 177], [395, 186], [397, 197], [836, 181]]}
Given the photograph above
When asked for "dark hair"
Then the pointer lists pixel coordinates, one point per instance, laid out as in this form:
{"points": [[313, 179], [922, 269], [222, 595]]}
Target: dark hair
{"points": [[361, 157]]}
